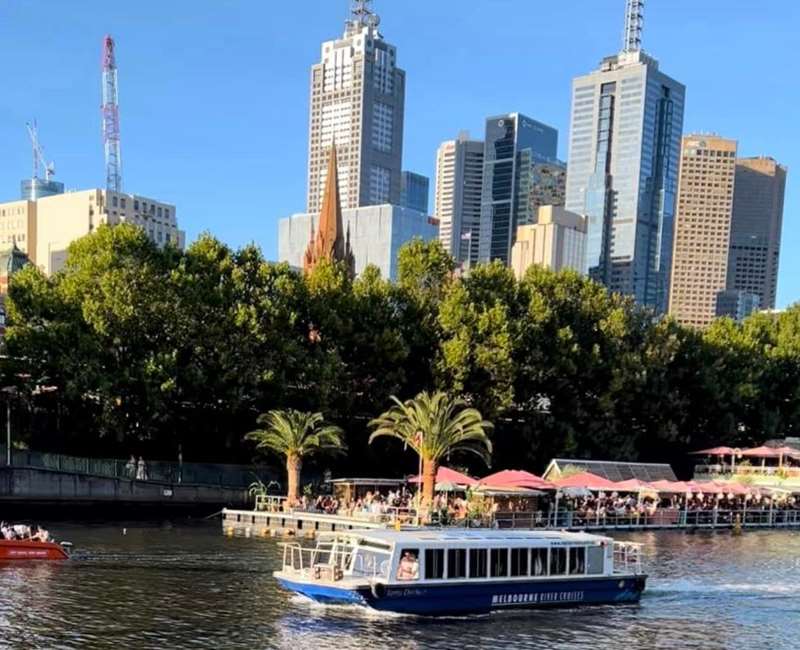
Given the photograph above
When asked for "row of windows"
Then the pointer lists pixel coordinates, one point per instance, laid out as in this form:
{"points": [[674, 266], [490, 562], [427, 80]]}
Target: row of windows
{"points": [[460, 563]]}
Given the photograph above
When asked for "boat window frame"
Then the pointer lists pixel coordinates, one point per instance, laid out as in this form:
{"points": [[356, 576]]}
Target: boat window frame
{"points": [[601, 551], [478, 550], [576, 548], [456, 549], [523, 552], [424, 567], [499, 551], [401, 551], [553, 553]]}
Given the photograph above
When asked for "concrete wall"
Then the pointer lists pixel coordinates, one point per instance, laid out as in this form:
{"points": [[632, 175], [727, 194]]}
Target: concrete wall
{"points": [[23, 484]]}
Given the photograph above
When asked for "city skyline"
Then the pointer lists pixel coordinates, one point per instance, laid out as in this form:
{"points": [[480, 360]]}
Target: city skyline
{"points": [[170, 142]]}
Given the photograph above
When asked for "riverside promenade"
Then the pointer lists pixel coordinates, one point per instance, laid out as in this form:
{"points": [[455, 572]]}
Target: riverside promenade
{"points": [[38, 479]]}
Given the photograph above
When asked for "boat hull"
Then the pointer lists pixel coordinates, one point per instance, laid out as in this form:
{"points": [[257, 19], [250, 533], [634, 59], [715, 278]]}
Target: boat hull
{"points": [[449, 599], [31, 550]]}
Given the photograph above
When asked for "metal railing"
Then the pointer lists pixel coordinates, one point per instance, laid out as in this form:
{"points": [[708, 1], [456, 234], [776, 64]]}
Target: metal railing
{"points": [[627, 558], [235, 476], [660, 518], [746, 470]]}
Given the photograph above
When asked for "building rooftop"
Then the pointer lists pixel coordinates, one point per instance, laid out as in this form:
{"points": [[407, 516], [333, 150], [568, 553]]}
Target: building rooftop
{"points": [[612, 470], [444, 535]]}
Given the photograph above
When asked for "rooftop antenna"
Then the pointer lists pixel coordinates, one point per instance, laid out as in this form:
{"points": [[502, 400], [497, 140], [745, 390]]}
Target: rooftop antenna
{"points": [[38, 154], [634, 20], [362, 13], [110, 110]]}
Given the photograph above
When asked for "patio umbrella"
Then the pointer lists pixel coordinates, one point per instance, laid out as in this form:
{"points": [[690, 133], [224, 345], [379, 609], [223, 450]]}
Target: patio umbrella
{"points": [[671, 487], [714, 451], [763, 452], [447, 475], [516, 478], [584, 480], [633, 485]]}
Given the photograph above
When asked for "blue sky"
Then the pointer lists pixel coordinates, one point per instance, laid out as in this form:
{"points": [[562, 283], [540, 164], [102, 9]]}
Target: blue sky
{"points": [[214, 93]]}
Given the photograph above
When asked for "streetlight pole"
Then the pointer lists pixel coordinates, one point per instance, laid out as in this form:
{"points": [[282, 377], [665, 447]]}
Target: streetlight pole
{"points": [[8, 431]]}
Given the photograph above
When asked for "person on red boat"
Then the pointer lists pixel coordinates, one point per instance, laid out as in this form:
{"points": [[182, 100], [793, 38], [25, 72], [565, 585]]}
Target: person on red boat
{"points": [[21, 531], [40, 534], [6, 532]]}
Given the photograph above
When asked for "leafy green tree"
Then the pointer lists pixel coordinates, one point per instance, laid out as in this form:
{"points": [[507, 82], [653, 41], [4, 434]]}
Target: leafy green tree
{"points": [[295, 436], [435, 425]]}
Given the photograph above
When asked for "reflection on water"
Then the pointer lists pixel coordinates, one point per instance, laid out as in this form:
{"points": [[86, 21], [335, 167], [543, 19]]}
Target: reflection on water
{"points": [[189, 586]]}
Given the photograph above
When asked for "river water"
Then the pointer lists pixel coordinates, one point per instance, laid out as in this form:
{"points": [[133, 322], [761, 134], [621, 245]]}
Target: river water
{"points": [[188, 586]]}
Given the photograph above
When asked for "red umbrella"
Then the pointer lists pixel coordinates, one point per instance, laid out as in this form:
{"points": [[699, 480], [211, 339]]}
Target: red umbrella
{"points": [[671, 487], [585, 480], [632, 485], [516, 478], [447, 475], [715, 451], [771, 452]]}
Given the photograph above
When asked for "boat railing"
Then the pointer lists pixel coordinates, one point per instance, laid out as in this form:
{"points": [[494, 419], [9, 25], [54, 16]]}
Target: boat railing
{"points": [[627, 558], [321, 562]]}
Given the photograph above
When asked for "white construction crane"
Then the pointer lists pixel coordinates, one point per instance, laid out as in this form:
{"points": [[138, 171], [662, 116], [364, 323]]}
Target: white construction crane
{"points": [[38, 154]]}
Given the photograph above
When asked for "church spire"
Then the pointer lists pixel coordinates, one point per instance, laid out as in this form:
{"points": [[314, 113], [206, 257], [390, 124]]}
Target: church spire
{"points": [[330, 243]]}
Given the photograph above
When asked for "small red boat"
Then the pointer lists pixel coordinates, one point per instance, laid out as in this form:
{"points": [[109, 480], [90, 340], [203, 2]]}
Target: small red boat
{"points": [[31, 549]]}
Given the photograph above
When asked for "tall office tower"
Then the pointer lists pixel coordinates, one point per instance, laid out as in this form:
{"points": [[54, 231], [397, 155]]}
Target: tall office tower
{"points": [[414, 191], [702, 228], [625, 133], [457, 200], [756, 231], [514, 144], [357, 101]]}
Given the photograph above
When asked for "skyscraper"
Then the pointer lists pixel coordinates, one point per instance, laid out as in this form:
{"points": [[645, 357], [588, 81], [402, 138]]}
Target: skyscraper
{"points": [[756, 231], [702, 228], [625, 133], [457, 200], [357, 102], [514, 144], [414, 191]]}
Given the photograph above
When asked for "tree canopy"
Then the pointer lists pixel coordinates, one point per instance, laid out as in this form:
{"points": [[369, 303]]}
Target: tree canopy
{"points": [[146, 347]]}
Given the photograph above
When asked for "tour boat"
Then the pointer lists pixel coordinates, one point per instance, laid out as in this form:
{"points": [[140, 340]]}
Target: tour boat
{"points": [[31, 549], [465, 571]]}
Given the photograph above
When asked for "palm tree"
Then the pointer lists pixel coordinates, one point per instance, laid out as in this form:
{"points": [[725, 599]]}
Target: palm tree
{"points": [[434, 425], [296, 435]]}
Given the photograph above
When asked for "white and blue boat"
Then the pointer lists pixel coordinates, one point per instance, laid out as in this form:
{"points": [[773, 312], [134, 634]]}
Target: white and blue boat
{"points": [[434, 572]]}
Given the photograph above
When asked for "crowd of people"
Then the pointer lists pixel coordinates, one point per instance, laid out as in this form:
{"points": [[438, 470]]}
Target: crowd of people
{"points": [[23, 532]]}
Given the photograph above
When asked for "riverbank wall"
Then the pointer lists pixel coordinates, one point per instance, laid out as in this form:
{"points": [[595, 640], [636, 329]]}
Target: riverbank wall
{"points": [[27, 486]]}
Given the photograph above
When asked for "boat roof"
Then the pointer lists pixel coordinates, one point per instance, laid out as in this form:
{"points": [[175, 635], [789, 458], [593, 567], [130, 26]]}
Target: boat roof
{"points": [[444, 535]]}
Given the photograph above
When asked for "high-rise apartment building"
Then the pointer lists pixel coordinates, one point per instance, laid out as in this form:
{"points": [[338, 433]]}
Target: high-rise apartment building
{"points": [[514, 144], [555, 241], [702, 228], [756, 230], [357, 103], [414, 191], [625, 132], [457, 199]]}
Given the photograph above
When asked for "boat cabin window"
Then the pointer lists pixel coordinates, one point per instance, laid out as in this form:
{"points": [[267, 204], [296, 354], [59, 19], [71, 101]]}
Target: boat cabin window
{"points": [[538, 561], [577, 560], [558, 561], [519, 562], [594, 560], [477, 563], [408, 567], [371, 560], [434, 563], [499, 564], [456, 563]]}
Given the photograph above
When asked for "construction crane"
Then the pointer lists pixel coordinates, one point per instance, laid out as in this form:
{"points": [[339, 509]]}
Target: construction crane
{"points": [[49, 168], [110, 112]]}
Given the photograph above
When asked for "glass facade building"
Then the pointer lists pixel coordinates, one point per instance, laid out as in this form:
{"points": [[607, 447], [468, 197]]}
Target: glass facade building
{"points": [[414, 189], [624, 154], [513, 145]]}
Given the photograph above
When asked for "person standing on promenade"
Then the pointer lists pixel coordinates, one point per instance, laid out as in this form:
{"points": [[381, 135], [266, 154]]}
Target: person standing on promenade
{"points": [[141, 470], [130, 467]]}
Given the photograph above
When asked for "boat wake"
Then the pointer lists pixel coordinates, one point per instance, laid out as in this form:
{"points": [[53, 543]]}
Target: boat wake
{"points": [[680, 587]]}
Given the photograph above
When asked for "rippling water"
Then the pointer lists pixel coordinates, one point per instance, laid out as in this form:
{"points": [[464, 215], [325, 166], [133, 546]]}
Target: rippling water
{"points": [[165, 586]]}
